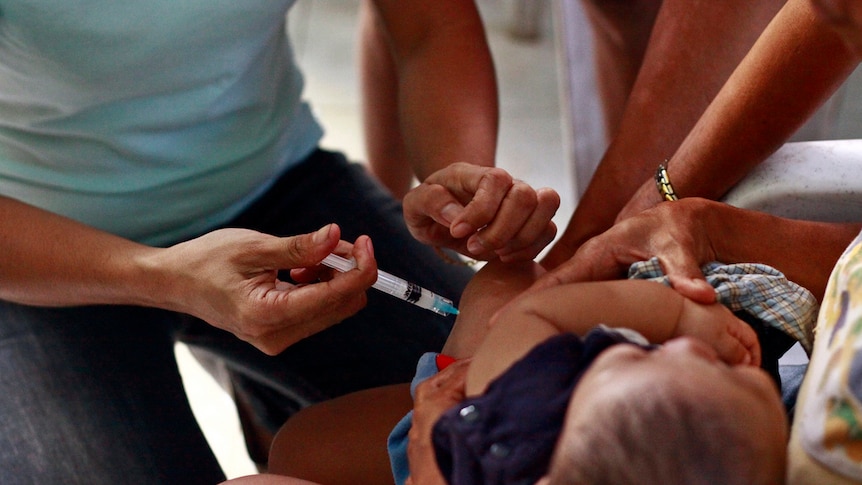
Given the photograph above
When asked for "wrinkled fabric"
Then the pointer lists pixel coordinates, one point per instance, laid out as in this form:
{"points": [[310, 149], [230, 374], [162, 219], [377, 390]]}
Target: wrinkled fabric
{"points": [[829, 415], [756, 289]]}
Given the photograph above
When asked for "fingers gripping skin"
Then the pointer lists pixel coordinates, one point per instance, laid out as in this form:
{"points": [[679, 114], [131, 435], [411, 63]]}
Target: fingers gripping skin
{"points": [[481, 212], [230, 279]]}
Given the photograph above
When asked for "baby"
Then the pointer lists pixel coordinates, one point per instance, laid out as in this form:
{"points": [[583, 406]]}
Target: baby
{"points": [[567, 385], [548, 380]]}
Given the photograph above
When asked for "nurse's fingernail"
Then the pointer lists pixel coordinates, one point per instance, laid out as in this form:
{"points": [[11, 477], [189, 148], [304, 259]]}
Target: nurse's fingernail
{"points": [[462, 229], [450, 211], [322, 234]]}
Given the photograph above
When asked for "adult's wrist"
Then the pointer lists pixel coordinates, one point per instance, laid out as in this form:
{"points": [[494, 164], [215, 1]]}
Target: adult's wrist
{"points": [[706, 221], [151, 280]]}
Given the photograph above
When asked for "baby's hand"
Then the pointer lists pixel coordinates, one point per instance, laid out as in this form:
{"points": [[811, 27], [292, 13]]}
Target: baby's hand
{"points": [[734, 340]]}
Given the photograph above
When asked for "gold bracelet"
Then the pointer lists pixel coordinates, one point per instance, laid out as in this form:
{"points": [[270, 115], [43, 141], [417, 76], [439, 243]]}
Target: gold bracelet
{"points": [[662, 181]]}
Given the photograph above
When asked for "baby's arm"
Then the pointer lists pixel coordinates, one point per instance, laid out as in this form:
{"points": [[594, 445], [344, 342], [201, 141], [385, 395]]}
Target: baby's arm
{"points": [[493, 286], [656, 311]]}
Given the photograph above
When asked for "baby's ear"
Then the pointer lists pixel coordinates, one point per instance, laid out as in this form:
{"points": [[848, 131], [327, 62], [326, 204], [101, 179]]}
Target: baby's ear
{"points": [[543, 481]]}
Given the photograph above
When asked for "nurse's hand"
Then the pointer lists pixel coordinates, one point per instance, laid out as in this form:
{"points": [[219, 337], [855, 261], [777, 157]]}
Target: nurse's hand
{"points": [[482, 213], [229, 278]]}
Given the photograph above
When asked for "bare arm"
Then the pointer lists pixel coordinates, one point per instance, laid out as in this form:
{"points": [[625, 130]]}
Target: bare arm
{"points": [[227, 278], [447, 94], [53, 261], [384, 142], [797, 63], [656, 311], [445, 113], [447, 117], [694, 48], [690, 232], [493, 286]]}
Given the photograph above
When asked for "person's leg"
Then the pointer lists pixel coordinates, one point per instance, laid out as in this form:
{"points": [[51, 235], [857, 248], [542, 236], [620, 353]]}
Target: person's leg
{"points": [[93, 395], [266, 479], [378, 346], [341, 441]]}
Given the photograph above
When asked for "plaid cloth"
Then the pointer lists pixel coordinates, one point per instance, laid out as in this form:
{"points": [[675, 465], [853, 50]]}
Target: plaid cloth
{"points": [[757, 289]]}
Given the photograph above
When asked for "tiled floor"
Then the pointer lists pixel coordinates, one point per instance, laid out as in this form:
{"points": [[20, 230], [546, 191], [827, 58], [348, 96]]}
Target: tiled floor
{"points": [[531, 145]]}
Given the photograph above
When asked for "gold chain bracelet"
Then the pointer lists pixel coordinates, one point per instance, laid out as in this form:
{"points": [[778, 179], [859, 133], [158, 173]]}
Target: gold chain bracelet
{"points": [[662, 181]]}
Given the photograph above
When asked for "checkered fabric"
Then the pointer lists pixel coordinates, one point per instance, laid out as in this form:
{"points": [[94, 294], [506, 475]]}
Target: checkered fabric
{"points": [[757, 289]]}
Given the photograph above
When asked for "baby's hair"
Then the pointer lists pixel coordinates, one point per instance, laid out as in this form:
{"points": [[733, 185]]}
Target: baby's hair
{"points": [[658, 435]]}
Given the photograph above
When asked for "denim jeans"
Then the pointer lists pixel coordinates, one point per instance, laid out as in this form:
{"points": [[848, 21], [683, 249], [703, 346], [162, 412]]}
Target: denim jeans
{"points": [[93, 394]]}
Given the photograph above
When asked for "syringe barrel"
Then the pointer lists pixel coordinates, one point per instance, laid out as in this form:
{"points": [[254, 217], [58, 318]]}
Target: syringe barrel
{"points": [[398, 287], [405, 290]]}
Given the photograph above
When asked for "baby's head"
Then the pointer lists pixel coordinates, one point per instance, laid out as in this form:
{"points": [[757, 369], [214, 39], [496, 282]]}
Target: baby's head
{"points": [[675, 415]]}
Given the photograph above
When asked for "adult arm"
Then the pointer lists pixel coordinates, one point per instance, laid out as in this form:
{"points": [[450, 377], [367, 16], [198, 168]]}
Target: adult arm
{"points": [[687, 233], [693, 49], [797, 63], [447, 115], [384, 142], [446, 87], [227, 278]]}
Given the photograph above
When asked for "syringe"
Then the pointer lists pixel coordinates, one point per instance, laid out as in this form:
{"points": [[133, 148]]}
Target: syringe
{"points": [[398, 287]]}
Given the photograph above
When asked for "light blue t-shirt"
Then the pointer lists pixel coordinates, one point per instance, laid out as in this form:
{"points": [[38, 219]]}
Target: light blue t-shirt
{"points": [[155, 119]]}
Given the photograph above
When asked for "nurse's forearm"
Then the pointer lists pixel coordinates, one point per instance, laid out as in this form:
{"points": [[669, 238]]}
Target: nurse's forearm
{"points": [[49, 260]]}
